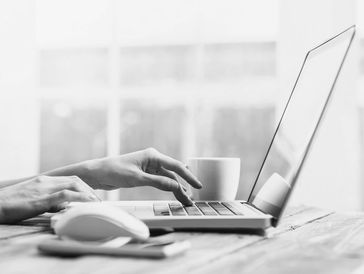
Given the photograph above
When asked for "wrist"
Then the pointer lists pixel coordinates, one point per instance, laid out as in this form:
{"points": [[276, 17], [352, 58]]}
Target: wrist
{"points": [[89, 171], [83, 170]]}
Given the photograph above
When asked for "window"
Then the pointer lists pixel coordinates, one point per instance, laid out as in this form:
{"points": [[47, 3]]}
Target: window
{"points": [[191, 78], [73, 67], [169, 76], [70, 132]]}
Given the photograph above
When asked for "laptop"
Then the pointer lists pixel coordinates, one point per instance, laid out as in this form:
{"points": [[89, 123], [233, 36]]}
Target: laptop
{"points": [[283, 161]]}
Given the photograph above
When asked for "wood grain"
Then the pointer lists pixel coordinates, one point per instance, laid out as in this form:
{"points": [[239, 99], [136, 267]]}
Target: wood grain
{"points": [[308, 240], [10, 231], [334, 244]]}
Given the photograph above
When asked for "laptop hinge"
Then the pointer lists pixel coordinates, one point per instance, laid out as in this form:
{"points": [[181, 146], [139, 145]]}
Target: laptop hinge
{"points": [[274, 220]]}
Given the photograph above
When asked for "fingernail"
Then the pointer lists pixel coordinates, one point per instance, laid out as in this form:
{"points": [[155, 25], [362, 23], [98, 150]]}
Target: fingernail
{"points": [[189, 198]]}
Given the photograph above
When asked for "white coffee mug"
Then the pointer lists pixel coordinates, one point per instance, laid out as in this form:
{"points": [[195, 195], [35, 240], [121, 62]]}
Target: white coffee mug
{"points": [[219, 177]]}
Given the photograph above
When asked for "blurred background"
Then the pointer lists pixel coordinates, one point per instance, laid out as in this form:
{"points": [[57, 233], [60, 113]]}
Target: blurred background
{"points": [[82, 79]]}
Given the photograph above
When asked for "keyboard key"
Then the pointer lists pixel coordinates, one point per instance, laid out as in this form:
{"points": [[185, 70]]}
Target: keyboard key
{"points": [[177, 210], [161, 210], [233, 208], [205, 208], [192, 211], [222, 210]]}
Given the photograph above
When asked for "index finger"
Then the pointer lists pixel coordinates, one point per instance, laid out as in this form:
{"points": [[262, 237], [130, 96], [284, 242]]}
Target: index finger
{"points": [[176, 166]]}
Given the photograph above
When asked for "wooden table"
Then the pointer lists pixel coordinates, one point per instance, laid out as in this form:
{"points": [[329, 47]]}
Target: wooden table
{"points": [[308, 240]]}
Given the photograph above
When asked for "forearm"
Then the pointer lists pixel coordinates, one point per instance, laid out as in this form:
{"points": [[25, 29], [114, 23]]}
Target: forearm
{"points": [[14, 181], [81, 170]]}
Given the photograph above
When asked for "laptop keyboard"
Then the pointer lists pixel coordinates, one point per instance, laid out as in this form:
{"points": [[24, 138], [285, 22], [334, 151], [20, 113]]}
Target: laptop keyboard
{"points": [[197, 209]]}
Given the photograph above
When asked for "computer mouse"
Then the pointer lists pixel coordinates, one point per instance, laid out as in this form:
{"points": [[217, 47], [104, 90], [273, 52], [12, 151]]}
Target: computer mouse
{"points": [[98, 221]]}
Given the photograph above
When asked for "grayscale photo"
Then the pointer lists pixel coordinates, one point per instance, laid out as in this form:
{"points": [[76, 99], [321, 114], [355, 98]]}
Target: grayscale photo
{"points": [[180, 136]]}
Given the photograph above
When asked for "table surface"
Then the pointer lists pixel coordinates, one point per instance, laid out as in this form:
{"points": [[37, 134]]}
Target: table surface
{"points": [[308, 240]]}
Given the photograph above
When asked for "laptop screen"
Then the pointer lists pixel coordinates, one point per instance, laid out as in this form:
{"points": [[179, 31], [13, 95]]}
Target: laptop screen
{"points": [[298, 124]]}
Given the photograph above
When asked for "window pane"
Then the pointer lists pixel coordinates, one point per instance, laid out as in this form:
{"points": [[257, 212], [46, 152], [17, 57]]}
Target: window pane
{"points": [[243, 132], [144, 65], [150, 124], [236, 61], [70, 67], [71, 132]]}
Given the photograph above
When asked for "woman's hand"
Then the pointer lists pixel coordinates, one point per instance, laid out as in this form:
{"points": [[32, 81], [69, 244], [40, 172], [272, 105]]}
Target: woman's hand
{"points": [[42, 194], [142, 168]]}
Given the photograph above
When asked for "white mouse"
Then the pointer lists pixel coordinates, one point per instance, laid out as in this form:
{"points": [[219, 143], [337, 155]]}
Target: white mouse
{"points": [[98, 221]]}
